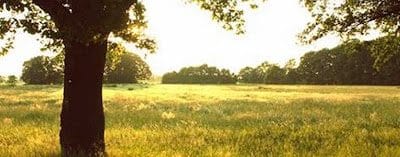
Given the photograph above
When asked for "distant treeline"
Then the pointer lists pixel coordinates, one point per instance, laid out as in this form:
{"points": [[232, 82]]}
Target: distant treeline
{"points": [[200, 75], [352, 63], [121, 67]]}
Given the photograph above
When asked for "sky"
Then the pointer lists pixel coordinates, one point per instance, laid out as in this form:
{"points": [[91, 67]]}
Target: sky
{"points": [[187, 36]]}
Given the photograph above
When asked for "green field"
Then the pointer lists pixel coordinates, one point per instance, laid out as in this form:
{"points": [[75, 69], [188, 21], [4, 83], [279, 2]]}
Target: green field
{"points": [[213, 120]]}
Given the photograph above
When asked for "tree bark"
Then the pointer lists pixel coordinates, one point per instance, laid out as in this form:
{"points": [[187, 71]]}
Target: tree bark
{"points": [[82, 115]]}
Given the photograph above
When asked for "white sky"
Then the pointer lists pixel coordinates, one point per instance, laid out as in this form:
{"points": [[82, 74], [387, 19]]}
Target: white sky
{"points": [[187, 36]]}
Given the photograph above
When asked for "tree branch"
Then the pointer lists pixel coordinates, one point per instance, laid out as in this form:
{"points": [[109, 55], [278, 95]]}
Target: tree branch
{"points": [[55, 9]]}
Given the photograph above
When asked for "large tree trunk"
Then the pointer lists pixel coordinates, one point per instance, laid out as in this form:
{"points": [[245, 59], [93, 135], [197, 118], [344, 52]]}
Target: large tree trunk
{"points": [[82, 116]]}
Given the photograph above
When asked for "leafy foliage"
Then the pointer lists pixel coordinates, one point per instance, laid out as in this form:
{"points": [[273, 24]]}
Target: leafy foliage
{"points": [[385, 50], [228, 12], [121, 67], [264, 73], [129, 69], [42, 70], [58, 21], [2, 79], [65, 20], [83, 27], [200, 75], [354, 18], [12, 80], [350, 63], [349, 18]]}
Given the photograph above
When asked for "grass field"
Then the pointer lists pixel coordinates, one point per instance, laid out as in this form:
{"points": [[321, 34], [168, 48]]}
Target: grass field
{"points": [[212, 120]]}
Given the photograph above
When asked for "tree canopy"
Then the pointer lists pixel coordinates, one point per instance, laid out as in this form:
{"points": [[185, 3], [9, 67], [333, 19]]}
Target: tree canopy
{"points": [[42, 70], [353, 19], [12, 80], [55, 20], [58, 20], [121, 67], [124, 66], [82, 28], [130, 68], [264, 73], [351, 63], [203, 74], [2, 79]]}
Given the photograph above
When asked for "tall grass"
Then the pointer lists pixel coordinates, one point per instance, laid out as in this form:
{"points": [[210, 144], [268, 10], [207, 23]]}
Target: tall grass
{"points": [[211, 120]]}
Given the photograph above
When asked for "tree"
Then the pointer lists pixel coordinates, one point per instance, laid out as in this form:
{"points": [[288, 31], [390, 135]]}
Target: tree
{"points": [[356, 61], [170, 78], [264, 73], [12, 80], [42, 70], [34, 71], [350, 63], [320, 67], [129, 69], [388, 71], [293, 77], [354, 18], [1, 79], [275, 75], [290, 64], [291, 71], [82, 29], [123, 66], [203, 74], [226, 77], [46, 70], [246, 75]]}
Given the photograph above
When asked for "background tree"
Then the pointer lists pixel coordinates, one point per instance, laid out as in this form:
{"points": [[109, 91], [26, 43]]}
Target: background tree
{"points": [[129, 69], [350, 19], [264, 73], [319, 67], [226, 77], [46, 70], [388, 71], [275, 75], [247, 74], [350, 63], [357, 63], [82, 29], [34, 70], [113, 56], [42, 70], [290, 64], [292, 75], [170, 78], [203, 74], [12, 80], [123, 66], [2, 79]]}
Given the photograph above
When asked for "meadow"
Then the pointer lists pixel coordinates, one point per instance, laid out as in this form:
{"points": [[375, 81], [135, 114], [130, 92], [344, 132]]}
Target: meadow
{"points": [[215, 120]]}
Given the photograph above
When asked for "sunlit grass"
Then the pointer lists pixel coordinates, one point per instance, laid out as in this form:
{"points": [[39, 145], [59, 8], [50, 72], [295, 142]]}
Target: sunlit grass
{"points": [[212, 120]]}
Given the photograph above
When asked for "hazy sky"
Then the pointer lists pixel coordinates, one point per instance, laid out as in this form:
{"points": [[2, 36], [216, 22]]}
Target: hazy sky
{"points": [[187, 36]]}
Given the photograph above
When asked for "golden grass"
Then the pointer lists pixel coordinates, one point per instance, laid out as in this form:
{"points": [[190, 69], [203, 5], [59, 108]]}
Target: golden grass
{"points": [[212, 120]]}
